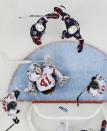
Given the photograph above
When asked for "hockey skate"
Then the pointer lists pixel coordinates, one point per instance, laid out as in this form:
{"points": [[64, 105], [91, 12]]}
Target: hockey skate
{"points": [[63, 34]]}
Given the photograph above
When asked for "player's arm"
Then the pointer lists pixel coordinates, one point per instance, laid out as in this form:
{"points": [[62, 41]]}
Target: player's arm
{"points": [[53, 15], [94, 77], [58, 73], [16, 93], [4, 104], [61, 79]]}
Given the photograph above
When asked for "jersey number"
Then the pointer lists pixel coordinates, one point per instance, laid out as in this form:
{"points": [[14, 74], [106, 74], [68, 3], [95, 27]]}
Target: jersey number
{"points": [[45, 82]]}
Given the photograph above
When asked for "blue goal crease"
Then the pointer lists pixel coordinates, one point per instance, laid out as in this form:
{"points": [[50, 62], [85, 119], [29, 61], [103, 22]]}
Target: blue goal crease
{"points": [[80, 67]]}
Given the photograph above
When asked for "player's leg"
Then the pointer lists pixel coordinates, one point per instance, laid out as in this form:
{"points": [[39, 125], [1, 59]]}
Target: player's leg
{"points": [[32, 88], [78, 36], [13, 114], [35, 35], [65, 34]]}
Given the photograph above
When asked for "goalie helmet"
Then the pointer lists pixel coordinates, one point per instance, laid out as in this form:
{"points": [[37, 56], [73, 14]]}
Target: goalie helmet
{"points": [[39, 27], [72, 29], [37, 68]]}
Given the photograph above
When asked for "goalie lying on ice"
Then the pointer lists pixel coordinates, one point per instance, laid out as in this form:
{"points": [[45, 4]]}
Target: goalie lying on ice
{"points": [[97, 85], [44, 79]]}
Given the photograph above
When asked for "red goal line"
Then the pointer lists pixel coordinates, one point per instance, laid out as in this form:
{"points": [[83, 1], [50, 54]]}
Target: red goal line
{"points": [[68, 102]]}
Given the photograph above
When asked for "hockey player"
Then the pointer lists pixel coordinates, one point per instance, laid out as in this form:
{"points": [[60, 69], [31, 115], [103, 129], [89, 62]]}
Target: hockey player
{"points": [[10, 105], [72, 27], [103, 125], [38, 29], [97, 86], [44, 79]]}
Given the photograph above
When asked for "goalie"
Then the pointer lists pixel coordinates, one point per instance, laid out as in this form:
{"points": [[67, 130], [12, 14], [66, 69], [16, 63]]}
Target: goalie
{"points": [[38, 29], [97, 85], [44, 79], [72, 27]]}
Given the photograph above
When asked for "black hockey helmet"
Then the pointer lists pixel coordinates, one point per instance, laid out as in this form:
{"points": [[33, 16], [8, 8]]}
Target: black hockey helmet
{"points": [[11, 105], [94, 85]]}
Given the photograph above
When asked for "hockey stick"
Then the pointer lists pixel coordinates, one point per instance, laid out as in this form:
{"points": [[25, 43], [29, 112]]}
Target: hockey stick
{"points": [[30, 16], [10, 127], [79, 96], [13, 61], [47, 15], [82, 93]]}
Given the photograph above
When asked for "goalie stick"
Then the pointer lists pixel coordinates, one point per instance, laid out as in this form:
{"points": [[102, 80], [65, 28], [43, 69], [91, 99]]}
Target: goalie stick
{"points": [[79, 96], [14, 61], [10, 127]]}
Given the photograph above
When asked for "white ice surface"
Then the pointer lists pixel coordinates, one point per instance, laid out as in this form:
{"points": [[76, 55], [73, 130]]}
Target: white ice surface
{"points": [[15, 40]]}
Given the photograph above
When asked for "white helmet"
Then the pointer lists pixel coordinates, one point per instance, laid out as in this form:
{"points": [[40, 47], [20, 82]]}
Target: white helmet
{"points": [[72, 29], [37, 68], [39, 27]]}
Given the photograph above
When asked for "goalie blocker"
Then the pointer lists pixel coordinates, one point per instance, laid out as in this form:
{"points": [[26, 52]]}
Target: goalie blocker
{"points": [[44, 79]]}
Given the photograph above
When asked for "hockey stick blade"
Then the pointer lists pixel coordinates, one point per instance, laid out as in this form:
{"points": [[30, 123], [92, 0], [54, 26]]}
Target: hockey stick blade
{"points": [[10, 127]]}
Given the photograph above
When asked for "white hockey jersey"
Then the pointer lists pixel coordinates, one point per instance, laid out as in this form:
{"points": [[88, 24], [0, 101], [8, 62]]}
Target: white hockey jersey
{"points": [[102, 86], [44, 81], [10, 97]]}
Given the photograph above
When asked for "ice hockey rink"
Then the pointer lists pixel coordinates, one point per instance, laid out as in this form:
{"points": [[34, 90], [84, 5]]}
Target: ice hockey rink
{"points": [[16, 44]]}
